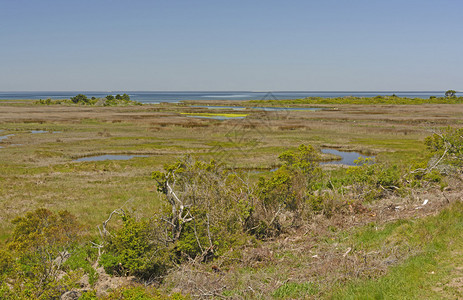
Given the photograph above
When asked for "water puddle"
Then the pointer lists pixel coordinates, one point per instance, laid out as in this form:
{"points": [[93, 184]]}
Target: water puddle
{"points": [[347, 157], [221, 118], [44, 131], [4, 137], [288, 108], [108, 157], [260, 108], [220, 107]]}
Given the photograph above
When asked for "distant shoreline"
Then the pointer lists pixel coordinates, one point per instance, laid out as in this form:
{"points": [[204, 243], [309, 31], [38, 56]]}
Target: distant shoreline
{"points": [[157, 97]]}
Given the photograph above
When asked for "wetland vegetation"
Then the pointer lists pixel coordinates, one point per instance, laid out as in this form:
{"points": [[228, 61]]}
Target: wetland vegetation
{"points": [[187, 216]]}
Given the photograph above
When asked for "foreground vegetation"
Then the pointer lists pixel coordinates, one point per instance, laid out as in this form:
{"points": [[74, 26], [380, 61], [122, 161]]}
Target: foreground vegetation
{"points": [[250, 212]]}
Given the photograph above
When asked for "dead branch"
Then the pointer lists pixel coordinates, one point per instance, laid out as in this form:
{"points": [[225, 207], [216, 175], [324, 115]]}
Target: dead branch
{"points": [[196, 236], [105, 232], [209, 232], [275, 215]]}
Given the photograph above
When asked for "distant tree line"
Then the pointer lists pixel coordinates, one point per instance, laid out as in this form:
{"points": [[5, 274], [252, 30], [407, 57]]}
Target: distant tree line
{"points": [[82, 99]]}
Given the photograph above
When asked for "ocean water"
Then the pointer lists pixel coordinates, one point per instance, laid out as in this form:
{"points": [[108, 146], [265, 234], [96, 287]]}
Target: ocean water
{"points": [[157, 97]]}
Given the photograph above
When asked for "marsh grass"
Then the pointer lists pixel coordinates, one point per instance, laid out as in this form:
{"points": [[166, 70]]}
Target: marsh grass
{"points": [[37, 170], [203, 114]]}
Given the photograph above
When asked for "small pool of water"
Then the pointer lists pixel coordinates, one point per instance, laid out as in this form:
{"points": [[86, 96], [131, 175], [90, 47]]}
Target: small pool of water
{"points": [[288, 108], [259, 108], [220, 107], [44, 131], [221, 118], [348, 157], [109, 157], [4, 137]]}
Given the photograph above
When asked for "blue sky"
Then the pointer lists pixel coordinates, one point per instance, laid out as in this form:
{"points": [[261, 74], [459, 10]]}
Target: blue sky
{"points": [[162, 45]]}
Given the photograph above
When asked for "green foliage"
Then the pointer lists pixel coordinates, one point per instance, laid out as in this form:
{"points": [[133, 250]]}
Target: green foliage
{"points": [[435, 239], [80, 99], [130, 251], [277, 190], [447, 144], [288, 188], [450, 93], [293, 290], [41, 240], [83, 257], [142, 293], [124, 97], [134, 293], [49, 101], [43, 228], [88, 295], [207, 209], [372, 180], [6, 263], [389, 100], [119, 100], [305, 160]]}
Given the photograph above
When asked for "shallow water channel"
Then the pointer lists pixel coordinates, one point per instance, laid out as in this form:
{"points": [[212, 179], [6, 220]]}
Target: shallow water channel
{"points": [[258, 108], [108, 157], [221, 118], [4, 137], [347, 157]]}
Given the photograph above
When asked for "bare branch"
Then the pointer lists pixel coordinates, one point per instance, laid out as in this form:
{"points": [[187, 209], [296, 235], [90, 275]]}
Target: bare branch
{"points": [[105, 232]]}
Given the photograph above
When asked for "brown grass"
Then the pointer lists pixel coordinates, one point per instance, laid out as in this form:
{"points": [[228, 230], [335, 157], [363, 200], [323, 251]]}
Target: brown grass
{"points": [[38, 169]]}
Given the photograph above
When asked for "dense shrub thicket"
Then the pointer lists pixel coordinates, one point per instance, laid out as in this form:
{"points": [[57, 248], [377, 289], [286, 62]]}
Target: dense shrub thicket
{"points": [[34, 257]]}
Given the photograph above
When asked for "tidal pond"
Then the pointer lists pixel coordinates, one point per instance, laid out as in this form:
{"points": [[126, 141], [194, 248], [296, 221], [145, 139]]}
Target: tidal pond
{"points": [[259, 108], [347, 157], [44, 131], [4, 137], [108, 157]]}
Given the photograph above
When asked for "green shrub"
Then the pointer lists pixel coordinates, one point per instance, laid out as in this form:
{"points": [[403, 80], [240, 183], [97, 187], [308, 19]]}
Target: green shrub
{"points": [[373, 180], [41, 240], [6, 263], [288, 189], [130, 251], [447, 146], [207, 207], [80, 99], [82, 258], [142, 293]]}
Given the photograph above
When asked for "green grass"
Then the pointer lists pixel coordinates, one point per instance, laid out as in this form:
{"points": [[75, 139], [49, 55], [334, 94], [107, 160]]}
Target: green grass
{"points": [[438, 238], [42, 173], [293, 290], [392, 100]]}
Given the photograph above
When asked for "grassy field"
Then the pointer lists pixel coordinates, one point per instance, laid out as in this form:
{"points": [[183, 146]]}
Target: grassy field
{"points": [[38, 169]]}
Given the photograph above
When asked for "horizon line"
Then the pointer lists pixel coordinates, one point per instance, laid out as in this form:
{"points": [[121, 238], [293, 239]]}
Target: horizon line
{"points": [[231, 91]]}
